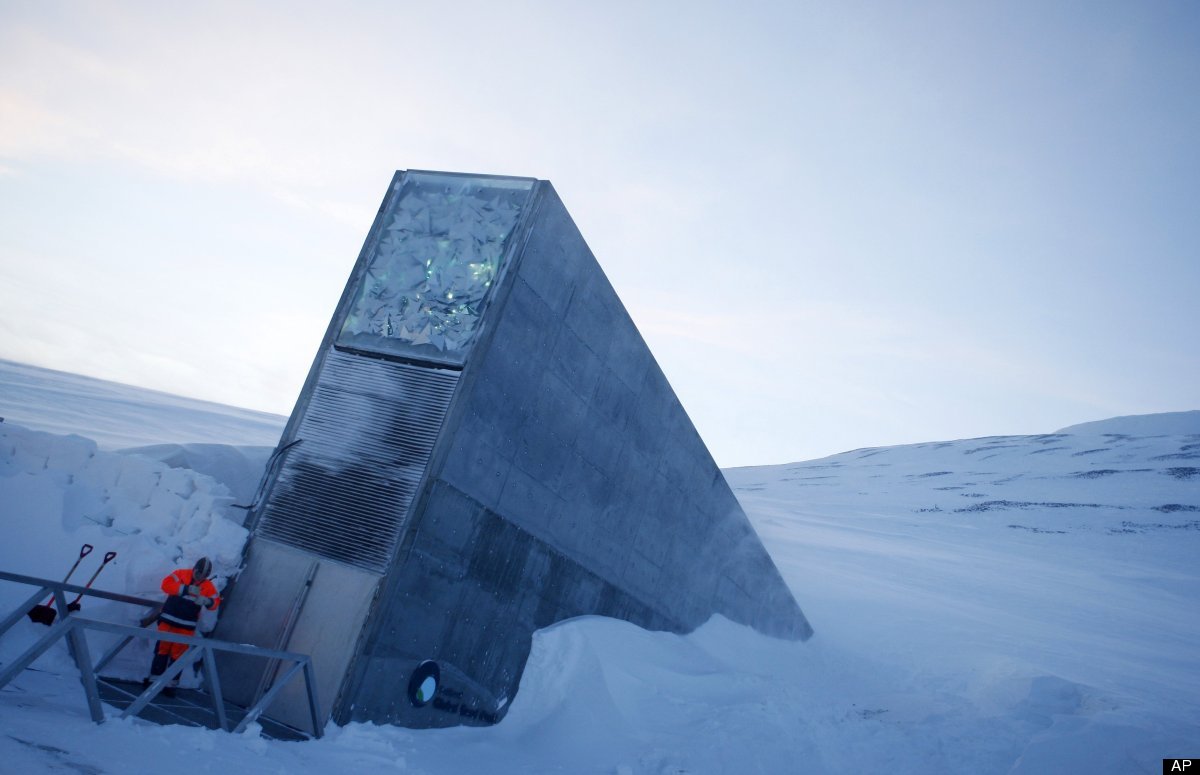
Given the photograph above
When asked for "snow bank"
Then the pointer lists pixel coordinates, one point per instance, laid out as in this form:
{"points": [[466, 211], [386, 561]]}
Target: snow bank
{"points": [[63, 491], [116, 416], [1011, 604], [238, 468], [60, 492]]}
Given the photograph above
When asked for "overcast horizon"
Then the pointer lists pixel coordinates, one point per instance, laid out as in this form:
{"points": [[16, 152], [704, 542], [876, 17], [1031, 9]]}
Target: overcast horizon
{"points": [[836, 225]]}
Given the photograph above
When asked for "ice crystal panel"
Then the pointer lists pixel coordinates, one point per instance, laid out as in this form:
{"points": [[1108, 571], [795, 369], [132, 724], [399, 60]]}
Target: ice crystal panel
{"points": [[440, 252]]}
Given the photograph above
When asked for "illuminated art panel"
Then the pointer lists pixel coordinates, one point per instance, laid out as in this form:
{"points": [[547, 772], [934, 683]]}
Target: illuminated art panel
{"points": [[433, 266]]}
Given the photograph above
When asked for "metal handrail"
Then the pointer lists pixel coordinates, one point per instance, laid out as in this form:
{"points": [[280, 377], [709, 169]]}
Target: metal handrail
{"points": [[72, 627], [60, 589]]}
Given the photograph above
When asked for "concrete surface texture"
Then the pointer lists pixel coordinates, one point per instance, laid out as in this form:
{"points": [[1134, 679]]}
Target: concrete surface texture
{"points": [[566, 478]]}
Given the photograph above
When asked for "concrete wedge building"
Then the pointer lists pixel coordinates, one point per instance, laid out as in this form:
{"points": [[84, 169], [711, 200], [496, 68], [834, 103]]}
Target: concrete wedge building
{"points": [[484, 446]]}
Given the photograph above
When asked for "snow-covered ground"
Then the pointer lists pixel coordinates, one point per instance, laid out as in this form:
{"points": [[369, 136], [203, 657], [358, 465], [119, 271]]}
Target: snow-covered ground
{"points": [[121, 416], [1009, 604]]}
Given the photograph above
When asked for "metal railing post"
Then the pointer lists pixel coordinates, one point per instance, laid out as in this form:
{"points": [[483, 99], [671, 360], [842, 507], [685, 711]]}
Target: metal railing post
{"points": [[60, 602], [83, 661], [214, 687], [60, 605]]}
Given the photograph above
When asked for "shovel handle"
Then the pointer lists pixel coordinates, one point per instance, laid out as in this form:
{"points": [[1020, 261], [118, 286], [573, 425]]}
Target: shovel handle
{"points": [[108, 557], [84, 551]]}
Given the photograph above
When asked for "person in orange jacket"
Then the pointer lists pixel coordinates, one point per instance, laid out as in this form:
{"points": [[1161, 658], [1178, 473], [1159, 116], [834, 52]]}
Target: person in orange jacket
{"points": [[187, 592]]}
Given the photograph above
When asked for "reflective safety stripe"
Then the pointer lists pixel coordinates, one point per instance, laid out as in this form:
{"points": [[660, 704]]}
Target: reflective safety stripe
{"points": [[176, 621], [182, 608]]}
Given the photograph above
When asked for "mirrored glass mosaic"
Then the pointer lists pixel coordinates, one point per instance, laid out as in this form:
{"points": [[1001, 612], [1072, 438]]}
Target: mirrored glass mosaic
{"points": [[433, 268]]}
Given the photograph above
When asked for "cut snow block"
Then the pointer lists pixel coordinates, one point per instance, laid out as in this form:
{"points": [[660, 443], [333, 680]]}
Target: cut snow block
{"points": [[484, 446]]}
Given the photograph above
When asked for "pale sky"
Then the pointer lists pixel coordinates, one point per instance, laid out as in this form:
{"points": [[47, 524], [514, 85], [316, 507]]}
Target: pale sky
{"points": [[836, 224]]}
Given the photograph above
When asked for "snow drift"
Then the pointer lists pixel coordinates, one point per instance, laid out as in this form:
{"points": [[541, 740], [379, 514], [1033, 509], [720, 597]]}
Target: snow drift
{"points": [[1011, 604]]}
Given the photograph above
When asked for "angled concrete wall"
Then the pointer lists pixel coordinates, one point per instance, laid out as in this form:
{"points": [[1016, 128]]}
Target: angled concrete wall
{"points": [[564, 479], [569, 481]]}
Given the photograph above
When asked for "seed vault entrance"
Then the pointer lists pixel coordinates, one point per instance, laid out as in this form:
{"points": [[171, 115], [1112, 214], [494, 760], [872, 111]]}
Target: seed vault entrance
{"points": [[484, 446]]}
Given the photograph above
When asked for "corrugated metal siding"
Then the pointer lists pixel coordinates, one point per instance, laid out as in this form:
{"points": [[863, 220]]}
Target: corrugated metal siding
{"points": [[345, 491]]}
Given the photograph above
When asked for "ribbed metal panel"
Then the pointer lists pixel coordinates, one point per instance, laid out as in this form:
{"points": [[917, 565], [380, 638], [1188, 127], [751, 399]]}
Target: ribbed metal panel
{"points": [[367, 433]]}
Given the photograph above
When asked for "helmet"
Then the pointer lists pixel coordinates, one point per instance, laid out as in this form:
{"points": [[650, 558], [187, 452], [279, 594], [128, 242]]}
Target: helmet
{"points": [[202, 569]]}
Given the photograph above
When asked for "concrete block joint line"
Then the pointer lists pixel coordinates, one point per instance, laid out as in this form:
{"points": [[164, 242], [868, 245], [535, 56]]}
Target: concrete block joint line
{"points": [[488, 447]]}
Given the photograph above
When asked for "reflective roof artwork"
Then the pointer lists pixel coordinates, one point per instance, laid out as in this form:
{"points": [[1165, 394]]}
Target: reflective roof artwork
{"points": [[440, 251]]}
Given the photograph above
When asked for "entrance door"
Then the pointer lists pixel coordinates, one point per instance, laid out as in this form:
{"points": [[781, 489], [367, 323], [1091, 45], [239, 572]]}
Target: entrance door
{"points": [[291, 601]]}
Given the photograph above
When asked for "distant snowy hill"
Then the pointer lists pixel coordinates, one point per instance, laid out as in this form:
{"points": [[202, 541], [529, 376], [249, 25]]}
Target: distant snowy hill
{"points": [[1167, 423], [1020, 604], [117, 416]]}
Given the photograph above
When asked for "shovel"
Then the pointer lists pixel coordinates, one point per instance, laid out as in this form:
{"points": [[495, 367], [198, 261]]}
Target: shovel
{"points": [[44, 614], [74, 604]]}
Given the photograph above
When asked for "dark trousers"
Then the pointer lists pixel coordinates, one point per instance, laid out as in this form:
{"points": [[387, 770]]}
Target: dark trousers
{"points": [[166, 652]]}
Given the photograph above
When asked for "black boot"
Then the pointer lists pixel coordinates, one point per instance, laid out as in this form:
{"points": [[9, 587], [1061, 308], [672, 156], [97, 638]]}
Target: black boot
{"points": [[159, 665]]}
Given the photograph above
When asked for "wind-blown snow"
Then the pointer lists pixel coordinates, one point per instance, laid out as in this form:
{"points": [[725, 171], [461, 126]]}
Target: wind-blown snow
{"points": [[1164, 424], [1009, 604], [117, 416]]}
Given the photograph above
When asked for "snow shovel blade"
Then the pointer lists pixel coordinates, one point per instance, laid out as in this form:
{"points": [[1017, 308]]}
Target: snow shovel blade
{"points": [[45, 613], [42, 614]]}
